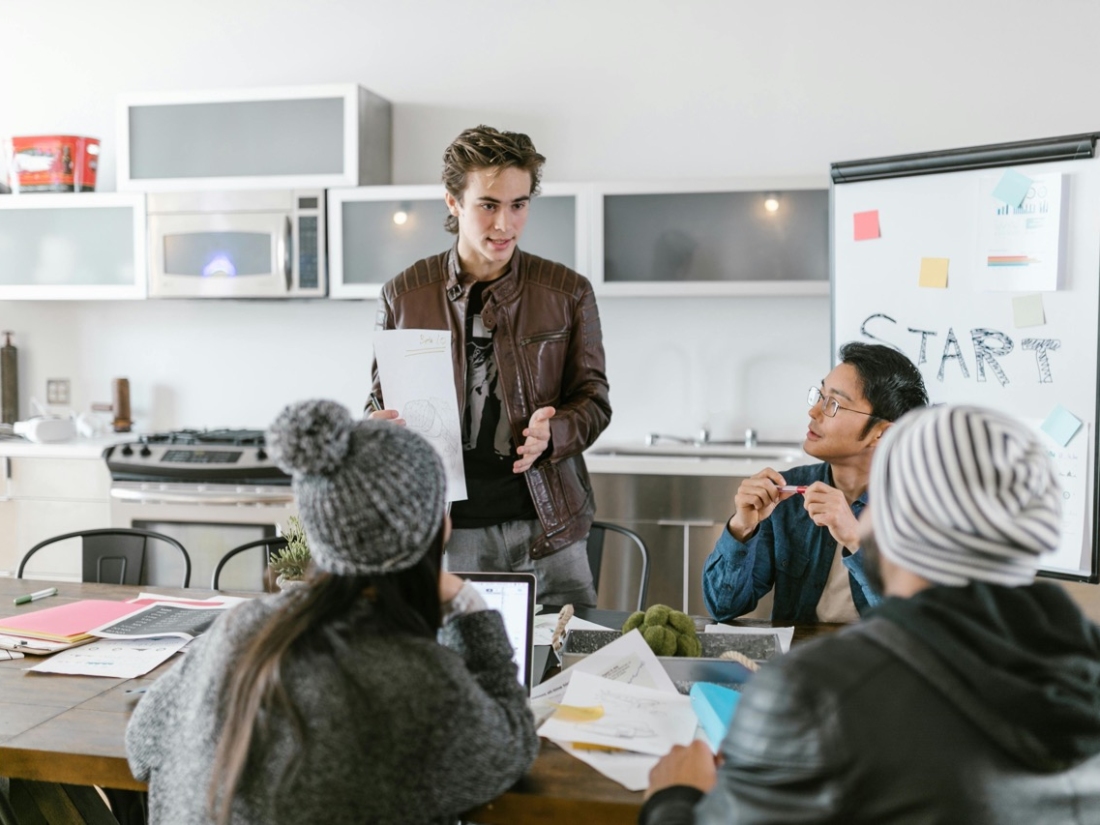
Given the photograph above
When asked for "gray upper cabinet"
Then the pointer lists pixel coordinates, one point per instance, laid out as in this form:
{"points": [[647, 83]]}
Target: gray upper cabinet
{"points": [[72, 246], [289, 137], [755, 237], [375, 232]]}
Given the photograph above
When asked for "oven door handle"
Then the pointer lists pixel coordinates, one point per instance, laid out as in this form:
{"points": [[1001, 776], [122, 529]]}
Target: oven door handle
{"points": [[228, 499]]}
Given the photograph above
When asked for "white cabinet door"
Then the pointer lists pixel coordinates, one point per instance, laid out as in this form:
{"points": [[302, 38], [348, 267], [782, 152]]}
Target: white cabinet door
{"points": [[376, 232], [72, 246], [734, 237]]}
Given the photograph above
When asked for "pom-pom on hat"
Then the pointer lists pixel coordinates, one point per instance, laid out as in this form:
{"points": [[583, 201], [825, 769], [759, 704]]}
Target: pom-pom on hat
{"points": [[961, 494], [370, 493]]}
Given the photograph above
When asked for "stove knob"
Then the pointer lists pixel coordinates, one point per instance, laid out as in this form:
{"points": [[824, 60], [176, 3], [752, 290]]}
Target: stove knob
{"points": [[127, 450], [145, 451], [261, 454]]}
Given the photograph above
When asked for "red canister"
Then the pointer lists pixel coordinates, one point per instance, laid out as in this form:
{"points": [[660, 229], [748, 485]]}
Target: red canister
{"points": [[52, 163]]}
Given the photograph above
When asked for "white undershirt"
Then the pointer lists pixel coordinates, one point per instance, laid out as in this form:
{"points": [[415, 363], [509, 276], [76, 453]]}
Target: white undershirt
{"points": [[835, 604]]}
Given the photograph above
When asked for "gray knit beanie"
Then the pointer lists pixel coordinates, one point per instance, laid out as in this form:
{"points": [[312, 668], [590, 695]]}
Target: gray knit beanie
{"points": [[961, 494], [370, 493]]}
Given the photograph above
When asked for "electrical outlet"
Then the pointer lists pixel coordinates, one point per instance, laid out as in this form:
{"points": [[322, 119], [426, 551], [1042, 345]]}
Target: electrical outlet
{"points": [[57, 390]]}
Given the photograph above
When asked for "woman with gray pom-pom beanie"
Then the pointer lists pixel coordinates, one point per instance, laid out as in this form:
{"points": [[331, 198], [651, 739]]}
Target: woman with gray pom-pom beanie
{"points": [[383, 691]]}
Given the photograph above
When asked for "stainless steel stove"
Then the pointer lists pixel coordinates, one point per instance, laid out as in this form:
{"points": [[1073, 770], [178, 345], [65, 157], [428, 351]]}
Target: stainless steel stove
{"points": [[210, 489]]}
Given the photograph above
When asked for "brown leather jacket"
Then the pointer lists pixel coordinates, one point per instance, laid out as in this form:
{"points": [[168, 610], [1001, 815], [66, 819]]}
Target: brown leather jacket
{"points": [[549, 352]]}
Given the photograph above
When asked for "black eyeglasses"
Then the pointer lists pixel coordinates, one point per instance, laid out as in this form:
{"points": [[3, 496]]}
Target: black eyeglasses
{"points": [[830, 405]]}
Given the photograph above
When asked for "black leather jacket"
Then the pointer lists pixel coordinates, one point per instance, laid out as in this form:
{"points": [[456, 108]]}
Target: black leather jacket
{"points": [[549, 352], [872, 726]]}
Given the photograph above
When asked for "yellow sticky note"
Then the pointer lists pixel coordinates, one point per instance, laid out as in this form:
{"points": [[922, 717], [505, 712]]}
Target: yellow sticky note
{"points": [[933, 272], [578, 713], [1027, 310]]}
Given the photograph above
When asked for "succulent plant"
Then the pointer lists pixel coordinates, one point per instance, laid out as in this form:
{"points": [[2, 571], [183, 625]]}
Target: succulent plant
{"points": [[292, 561]]}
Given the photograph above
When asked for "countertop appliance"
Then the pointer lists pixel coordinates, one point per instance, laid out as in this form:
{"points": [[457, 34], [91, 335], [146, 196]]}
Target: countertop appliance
{"points": [[210, 489], [250, 244]]}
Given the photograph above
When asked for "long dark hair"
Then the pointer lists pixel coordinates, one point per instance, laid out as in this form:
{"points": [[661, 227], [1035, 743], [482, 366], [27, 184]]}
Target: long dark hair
{"points": [[404, 602]]}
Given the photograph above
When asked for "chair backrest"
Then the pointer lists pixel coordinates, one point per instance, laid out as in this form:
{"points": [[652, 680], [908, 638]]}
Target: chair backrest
{"points": [[113, 555], [595, 549], [270, 544]]}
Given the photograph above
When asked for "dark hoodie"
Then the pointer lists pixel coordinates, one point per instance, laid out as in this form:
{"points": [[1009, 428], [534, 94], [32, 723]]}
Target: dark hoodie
{"points": [[1023, 663]]}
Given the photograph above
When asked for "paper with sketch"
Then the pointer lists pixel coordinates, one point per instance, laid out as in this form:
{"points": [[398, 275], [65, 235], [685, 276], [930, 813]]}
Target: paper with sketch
{"points": [[1021, 245], [784, 634], [637, 719], [628, 659], [118, 658], [417, 375]]}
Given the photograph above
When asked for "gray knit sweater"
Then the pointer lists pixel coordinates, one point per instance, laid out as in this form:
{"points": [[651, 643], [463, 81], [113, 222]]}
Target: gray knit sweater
{"points": [[401, 729]]}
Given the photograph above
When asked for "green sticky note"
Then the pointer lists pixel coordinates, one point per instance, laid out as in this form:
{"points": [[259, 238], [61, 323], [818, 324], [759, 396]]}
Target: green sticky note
{"points": [[933, 272], [1027, 311], [1061, 425], [1012, 187]]}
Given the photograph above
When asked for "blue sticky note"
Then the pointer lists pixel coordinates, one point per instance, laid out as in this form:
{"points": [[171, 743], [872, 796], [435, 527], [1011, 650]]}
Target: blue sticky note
{"points": [[1012, 188], [714, 705], [1061, 425]]}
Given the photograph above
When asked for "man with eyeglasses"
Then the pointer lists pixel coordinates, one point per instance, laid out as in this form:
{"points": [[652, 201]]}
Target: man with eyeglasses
{"points": [[798, 531]]}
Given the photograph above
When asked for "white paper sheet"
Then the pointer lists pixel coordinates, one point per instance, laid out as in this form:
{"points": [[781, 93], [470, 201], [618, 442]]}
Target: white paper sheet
{"points": [[545, 625], [119, 658], [631, 770], [637, 719], [1020, 247], [417, 375], [785, 634]]}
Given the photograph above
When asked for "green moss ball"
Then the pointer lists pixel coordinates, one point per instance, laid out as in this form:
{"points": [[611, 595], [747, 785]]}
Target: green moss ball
{"points": [[657, 616], [661, 640], [635, 620], [681, 622]]}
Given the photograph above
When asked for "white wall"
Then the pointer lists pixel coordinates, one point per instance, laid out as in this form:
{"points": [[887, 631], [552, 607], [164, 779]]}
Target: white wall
{"points": [[609, 90]]}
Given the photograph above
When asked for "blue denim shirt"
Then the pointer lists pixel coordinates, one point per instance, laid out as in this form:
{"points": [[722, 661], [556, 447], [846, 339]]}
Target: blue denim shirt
{"points": [[788, 551]]}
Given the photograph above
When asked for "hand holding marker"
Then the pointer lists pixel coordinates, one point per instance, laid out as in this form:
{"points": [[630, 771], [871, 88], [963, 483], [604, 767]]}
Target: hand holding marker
{"points": [[33, 597], [793, 488]]}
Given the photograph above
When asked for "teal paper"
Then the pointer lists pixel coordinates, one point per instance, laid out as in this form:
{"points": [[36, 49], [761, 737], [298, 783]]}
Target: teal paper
{"points": [[1061, 425], [1012, 188], [714, 705]]}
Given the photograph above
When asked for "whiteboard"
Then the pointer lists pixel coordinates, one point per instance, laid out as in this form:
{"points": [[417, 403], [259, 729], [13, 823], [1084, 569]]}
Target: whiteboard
{"points": [[1002, 332]]}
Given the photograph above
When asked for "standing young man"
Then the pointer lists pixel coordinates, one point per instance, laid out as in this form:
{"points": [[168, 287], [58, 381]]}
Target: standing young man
{"points": [[529, 370], [787, 528]]}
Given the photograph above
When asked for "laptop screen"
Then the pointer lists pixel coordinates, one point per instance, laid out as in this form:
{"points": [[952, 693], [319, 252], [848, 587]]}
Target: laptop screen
{"points": [[513, 594]]}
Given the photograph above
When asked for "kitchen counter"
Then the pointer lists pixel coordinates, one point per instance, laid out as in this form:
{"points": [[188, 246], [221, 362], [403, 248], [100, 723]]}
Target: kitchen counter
{"points": [[74, 448], [636, 458]]}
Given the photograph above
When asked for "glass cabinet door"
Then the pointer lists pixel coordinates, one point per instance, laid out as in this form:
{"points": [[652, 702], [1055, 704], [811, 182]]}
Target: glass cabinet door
{"points": [[376, 232], [72, 246], [752, 241]]}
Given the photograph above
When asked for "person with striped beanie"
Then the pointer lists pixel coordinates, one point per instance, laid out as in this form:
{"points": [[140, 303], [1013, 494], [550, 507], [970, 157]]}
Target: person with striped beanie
{"points": [[971, 694]]}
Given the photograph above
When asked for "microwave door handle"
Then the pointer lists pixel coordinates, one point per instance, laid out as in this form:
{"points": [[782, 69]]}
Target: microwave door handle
{"points": [[288, 269]]}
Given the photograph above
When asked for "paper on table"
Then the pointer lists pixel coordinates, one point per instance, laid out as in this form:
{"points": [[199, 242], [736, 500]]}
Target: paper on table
{"points": [[118, 658], [547, 623], [638, 719], [631, 770], [628, 659], [785, 634], [163, 619], [418, 380]]}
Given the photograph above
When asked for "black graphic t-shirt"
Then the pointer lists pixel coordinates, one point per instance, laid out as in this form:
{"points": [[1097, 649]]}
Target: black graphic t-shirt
{"points": [[495, 493]]}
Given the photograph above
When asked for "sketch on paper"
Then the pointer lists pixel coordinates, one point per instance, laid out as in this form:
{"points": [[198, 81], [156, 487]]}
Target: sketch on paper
{"points": [[417, 375]]}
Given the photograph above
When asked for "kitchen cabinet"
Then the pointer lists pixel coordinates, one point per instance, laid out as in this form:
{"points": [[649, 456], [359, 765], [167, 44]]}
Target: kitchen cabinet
{"points": [[294, 137], [375, 232], [72, 246], [712, 238], [44, 497]]}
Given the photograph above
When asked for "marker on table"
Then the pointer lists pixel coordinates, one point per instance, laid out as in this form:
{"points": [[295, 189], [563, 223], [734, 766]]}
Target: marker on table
{"points": [[793, 488], [33, 597]]}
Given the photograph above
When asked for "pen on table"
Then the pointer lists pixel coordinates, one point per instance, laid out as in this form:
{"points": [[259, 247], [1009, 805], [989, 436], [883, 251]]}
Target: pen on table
{"points": [[793, 488], [33, 597]]}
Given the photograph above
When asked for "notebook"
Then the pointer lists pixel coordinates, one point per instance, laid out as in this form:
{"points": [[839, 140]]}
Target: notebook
{"points": [[513, 594], [67, 622]]}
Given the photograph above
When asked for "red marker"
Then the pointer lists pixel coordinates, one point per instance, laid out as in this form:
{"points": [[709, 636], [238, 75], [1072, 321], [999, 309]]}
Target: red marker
{"points": [[793, 488]]}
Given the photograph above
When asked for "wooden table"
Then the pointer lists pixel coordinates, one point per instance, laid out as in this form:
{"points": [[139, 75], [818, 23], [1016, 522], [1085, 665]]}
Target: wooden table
{"points": [[70, 729]]}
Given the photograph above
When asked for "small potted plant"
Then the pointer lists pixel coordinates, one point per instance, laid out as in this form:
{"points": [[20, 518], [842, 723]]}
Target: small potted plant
{"points": [[291, 563]]}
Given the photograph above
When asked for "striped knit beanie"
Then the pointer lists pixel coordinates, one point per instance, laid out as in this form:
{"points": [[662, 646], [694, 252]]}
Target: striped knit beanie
{"points": [[370, 493], [963, 494]]}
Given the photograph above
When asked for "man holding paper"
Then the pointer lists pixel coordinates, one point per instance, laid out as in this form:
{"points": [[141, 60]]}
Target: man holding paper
{"points": [[528, 371]]}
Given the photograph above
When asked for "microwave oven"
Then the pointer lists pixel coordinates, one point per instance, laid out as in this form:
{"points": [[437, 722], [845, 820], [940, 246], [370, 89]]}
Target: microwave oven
{"points": [[246, 244]]}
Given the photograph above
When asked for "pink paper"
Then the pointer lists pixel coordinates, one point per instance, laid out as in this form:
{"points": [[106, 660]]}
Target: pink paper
{"points": [[867, 225], [67, 620]]}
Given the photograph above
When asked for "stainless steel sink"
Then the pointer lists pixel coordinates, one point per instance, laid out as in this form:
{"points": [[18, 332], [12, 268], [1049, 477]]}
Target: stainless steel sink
{"points": [[783, 452]]}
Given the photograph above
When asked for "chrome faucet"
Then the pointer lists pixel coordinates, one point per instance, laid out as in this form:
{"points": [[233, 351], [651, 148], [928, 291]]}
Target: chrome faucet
{"points": [[750, 438]]}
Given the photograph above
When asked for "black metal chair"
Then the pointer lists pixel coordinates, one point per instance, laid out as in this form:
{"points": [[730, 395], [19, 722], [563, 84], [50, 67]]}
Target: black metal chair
{"points": [[114, 548], [595, 549], [270, 544]]}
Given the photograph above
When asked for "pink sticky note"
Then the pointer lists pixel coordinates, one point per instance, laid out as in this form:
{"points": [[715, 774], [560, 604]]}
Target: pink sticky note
{"points": [[867, 225]]}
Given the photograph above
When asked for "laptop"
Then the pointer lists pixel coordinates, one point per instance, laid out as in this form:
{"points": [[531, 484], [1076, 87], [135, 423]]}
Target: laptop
{"points": [[513, 594]]}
